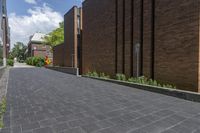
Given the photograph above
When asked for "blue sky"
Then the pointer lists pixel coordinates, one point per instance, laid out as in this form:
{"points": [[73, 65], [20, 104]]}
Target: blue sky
{"points": [[29, 16], [20, 7]]}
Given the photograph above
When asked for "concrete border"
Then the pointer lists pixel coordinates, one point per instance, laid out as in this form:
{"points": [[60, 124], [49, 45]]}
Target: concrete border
{"points": [[4, 83], [2, 70], [68, 70], [191, 96]]}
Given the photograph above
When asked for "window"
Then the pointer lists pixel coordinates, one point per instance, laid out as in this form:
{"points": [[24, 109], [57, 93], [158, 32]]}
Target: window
{"points": [[78, 24]]}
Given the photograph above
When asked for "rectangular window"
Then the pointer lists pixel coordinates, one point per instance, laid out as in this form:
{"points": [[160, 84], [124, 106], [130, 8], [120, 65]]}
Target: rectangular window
{"points": [[78, 24]]}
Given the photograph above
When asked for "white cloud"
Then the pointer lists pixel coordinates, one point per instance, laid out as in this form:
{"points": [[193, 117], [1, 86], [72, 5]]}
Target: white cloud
{"points": [[31, 1], [41, 19]]}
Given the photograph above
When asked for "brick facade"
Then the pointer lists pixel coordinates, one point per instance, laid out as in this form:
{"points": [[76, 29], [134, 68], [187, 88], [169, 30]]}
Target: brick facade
{"points": [[177, 42], [155, 38], [39, 50], [58, 55], [98, 44], [72, 29]]}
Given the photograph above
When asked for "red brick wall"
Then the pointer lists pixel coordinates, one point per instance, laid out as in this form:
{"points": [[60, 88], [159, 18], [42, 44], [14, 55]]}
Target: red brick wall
{"points": [[69, 35], [199, 50], [128, 27], [168, 33], [98, 49], [40, 50], [177, 42], [136, 34], [120, 41], [104, 41], [71, 40], [58, 55], [147, 38]]}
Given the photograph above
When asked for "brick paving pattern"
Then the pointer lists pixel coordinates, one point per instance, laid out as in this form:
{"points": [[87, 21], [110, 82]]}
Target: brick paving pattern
{"points": [[45, 101]]}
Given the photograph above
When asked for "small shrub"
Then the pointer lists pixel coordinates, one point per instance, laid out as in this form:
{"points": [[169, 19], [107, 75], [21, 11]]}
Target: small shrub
{"points": [[28, 61], [88, 74], [131, 80], [92, 74], [159, 85], [104, 76], [2, 111], [3, 105], [138, 80], [35, 61], [1, 123], [169, 86], [155, 83], [142, 80], [145, 80], [95, 74], [1, 62], [10, 62], [120, 77], [40, 63]]}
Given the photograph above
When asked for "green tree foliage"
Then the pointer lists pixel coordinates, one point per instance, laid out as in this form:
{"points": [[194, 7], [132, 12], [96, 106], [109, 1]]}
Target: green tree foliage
{"points": [[55, 37], [18, 51]]}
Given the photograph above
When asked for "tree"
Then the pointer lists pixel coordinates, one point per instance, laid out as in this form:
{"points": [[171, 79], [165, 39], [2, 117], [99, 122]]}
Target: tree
{"points": [[55, 37], [18, 51]]}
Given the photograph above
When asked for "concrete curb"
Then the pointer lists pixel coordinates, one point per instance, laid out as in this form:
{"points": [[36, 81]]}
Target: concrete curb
{"points": [[22, 65], [2, 81], [191, 96], [68, 70]]}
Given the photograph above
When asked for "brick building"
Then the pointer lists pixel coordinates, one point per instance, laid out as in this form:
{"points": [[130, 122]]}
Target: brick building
{"points": [[155, 38], [72, 37], [68, 54], [58, 55], [37, 48]]}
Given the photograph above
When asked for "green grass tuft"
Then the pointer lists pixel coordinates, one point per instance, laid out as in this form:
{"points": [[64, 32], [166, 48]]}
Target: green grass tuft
{"points": [[2, 111], [139, 80]]}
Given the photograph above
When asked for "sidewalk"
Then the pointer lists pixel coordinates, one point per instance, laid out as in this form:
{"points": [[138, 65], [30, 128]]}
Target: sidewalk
{"points": [[46, 101], [22, 65]]}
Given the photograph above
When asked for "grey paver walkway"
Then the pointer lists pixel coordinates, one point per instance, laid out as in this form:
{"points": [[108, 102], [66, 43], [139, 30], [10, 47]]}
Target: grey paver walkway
{"points": [[21, 65], [45, 101]]}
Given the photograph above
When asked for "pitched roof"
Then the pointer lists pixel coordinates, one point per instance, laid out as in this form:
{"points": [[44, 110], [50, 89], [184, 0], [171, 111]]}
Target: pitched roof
{"points": [[37, 37]]}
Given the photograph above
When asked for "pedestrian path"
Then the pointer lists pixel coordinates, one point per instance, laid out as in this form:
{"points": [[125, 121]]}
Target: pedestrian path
{"points": [[45, 101], [22, 65]]}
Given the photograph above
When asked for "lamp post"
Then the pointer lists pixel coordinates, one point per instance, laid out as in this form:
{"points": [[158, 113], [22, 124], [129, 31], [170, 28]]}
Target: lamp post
{"points": [[5, 30], [4, 39]]}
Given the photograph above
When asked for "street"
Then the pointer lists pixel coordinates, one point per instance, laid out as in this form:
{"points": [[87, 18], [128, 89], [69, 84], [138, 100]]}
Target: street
{"points": [[45, 101]]}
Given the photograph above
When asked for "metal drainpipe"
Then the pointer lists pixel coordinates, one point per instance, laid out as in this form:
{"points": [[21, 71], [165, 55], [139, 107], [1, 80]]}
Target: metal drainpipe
{"points": [[137, 49]]}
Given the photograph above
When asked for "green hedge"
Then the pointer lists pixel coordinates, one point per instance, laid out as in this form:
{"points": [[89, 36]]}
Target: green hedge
{"points": [[1, 62], [10, 62], [35, 61]]}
